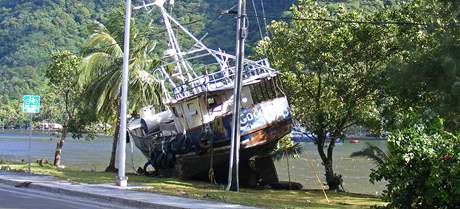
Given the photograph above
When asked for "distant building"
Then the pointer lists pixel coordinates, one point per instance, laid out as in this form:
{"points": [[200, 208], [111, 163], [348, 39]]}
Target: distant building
{"points": [[48, 126]]}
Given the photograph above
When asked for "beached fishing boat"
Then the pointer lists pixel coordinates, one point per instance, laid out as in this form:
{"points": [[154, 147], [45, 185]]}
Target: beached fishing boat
{"points": [[190, 138]]}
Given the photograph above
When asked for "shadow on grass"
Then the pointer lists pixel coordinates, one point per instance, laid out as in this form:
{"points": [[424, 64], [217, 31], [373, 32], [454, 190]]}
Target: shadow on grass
{"points": [[201, 190]]}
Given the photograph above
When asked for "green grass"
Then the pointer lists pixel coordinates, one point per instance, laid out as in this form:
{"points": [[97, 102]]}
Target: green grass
{"points": [[200, 190]]}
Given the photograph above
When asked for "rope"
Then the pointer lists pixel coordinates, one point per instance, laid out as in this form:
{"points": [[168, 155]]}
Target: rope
{"points": [[211, 175], [280, 87], [317, 177], [257, 18]]}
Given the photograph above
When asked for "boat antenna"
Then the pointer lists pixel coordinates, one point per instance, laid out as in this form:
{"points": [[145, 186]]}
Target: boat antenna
{"points": [[233, 171], [171, 5]]}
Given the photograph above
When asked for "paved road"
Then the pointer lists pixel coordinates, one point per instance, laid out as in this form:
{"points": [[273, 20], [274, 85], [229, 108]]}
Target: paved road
{"points": [[24, 198]]}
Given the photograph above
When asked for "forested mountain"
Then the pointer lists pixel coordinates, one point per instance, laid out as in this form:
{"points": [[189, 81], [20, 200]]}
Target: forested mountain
{"points": [[31, 29]]}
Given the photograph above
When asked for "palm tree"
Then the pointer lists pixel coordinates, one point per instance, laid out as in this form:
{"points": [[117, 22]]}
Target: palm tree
{"points": [[101, 72], [286, 148]]}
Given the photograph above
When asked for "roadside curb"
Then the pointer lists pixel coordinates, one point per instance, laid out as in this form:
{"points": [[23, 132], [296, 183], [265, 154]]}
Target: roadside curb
{"points": [[120, 200], [124, 201]]}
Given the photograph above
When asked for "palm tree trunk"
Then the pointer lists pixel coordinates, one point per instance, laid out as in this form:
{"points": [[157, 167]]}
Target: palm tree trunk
{"points": [[59, 145], [289, 171], [111, 167]]}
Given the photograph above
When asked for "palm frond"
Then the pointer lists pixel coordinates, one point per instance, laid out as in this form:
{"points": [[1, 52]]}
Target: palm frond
{"points": [[95, 65], [101, 68], [372, 152], [102, 42], [286, 148]]}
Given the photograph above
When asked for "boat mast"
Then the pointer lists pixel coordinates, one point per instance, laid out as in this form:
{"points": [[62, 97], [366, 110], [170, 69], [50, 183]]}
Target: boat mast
{"points": [[233, 171], [182, 65], [178, 55]]}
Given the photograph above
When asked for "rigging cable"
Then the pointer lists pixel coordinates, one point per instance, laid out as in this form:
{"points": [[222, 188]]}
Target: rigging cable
{"points": [[185, 24], [257, 18], [264, 16]]}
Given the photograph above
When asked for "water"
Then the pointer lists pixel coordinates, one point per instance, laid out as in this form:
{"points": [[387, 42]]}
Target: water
{"points": [[355, 171], [77, 153], [95, 154]]}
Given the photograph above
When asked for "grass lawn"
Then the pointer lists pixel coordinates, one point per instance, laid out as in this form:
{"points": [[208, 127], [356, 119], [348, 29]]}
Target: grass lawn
{"points": [[200, 190]]}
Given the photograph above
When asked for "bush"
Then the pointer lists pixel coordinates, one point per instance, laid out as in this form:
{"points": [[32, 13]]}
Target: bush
{"points": [[423, 166]]}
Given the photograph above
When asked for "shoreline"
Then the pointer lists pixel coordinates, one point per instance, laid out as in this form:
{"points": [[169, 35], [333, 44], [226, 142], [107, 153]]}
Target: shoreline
{"points": [[94, 155], [205, 191]]}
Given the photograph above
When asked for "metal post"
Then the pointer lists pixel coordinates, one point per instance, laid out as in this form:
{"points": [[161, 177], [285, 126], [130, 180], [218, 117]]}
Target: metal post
{"points": [[29, 145], [122, 180], [233, 171]]}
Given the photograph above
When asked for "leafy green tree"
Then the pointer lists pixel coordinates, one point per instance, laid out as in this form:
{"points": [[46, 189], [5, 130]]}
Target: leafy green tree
{"points": [[63, 74], [11, 114], [423, 164], [332, 70], [427, 72], [102, 72]]}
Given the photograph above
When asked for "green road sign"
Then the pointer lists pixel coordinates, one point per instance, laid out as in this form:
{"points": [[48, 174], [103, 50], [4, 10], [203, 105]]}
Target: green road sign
{"points": [[31, 104]]}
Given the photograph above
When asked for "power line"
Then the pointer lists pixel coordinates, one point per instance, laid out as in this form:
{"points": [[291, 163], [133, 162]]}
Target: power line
{"points": [[358, 21], [220, 13], [184, 24], [382, 23]]}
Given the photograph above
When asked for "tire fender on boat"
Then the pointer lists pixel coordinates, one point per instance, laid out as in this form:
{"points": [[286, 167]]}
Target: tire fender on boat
{"points": [[205, 140], [170, 160], [185, 144], [163, 160], [173, 145]]}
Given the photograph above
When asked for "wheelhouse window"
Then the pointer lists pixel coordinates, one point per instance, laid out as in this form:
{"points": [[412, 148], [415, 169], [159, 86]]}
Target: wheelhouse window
{"points": [[192, 109], [212, 102], [264, 90]]}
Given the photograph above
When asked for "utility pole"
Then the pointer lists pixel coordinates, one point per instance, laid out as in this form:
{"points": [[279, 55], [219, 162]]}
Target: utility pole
{"points": [[122, 180], [29, 150], [233, 171]]}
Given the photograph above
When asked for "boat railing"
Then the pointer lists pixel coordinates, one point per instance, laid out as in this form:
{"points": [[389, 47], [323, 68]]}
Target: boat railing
{"points": [[221, 79]]}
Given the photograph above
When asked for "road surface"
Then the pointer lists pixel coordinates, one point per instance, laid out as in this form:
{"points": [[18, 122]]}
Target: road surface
{"points": [[24, 198]]}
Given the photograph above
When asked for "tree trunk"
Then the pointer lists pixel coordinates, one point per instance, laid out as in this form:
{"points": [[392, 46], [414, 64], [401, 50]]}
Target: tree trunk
{"points": [[111, 167], [333, 181], [59, 145], [289, 171]]}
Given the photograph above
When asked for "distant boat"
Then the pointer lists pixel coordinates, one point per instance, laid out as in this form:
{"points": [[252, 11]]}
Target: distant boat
{"points": [[368, 137], [354, 141], [299, 134], [192, 134]]}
